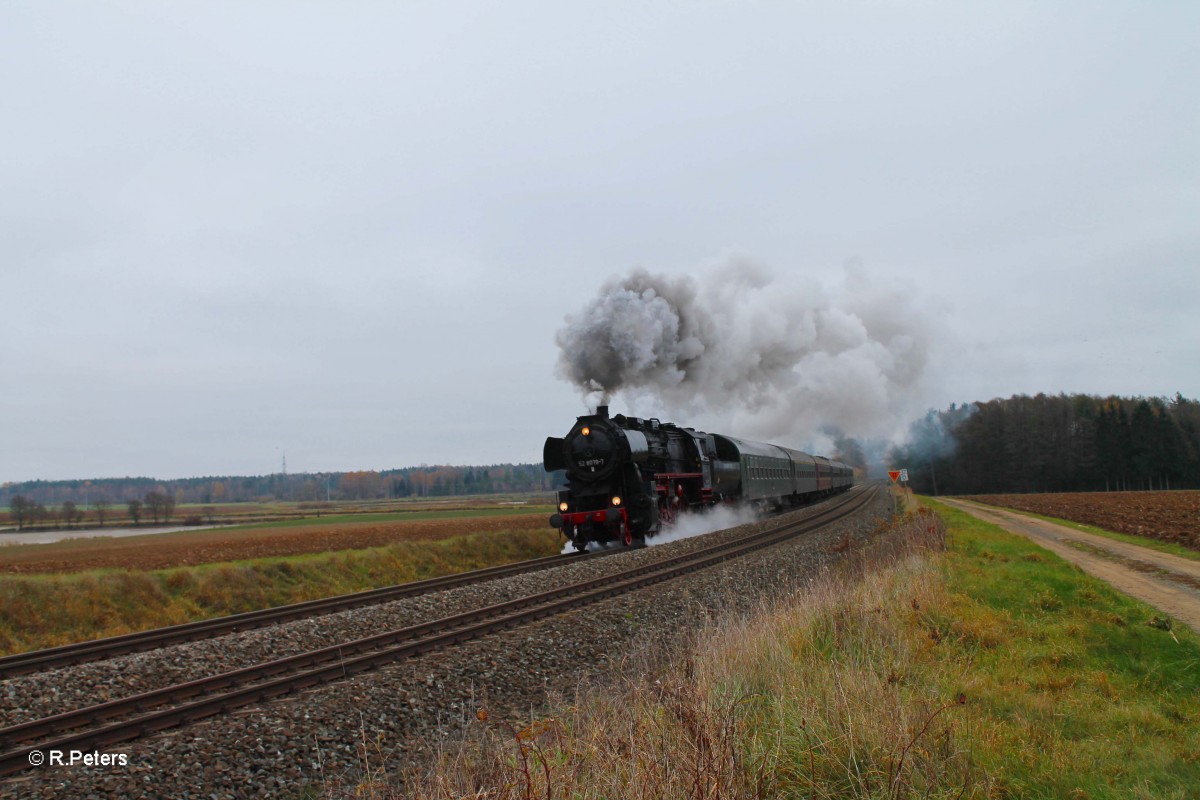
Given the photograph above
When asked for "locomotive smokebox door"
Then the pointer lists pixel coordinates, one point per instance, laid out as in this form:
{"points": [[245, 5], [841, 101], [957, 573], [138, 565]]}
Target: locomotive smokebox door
{"points": [[592, 452], [552, 454]]}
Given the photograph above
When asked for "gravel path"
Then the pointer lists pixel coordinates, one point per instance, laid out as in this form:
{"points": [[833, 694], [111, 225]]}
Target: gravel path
{"points": [[396, 714]]}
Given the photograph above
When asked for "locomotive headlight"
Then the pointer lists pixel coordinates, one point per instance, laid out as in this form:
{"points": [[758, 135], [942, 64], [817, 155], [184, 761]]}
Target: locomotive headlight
{"points": [[562, 506], [616, 500], [586, 431]]}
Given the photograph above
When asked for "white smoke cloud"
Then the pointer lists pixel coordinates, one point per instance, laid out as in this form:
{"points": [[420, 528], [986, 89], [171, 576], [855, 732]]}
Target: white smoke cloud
{"points": [[593, 547], [771, 359], [717, 518]]}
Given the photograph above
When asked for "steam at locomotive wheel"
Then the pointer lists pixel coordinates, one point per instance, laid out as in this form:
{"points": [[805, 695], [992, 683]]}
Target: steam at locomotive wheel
{"points": [[628, 477]]}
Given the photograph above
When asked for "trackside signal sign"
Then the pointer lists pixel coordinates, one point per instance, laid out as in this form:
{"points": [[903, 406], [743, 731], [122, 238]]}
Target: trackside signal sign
{"points": [[894, 474]]}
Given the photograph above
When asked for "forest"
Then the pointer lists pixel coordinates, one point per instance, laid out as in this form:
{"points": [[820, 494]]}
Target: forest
{"points": [[422, 481], [1055, 443]]}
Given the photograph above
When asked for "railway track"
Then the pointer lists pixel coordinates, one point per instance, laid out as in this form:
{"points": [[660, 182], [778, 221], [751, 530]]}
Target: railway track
{"points": [[101, 649], [118, 721]]}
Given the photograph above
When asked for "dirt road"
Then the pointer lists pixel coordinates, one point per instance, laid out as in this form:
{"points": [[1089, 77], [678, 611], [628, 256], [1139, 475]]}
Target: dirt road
{"points": [[1167, 582]]}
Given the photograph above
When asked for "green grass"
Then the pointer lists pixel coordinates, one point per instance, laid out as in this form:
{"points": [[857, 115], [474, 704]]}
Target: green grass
{"points": [[44, 611], [1079, 694]]}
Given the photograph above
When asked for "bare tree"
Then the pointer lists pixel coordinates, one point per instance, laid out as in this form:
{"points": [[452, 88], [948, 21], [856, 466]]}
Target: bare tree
{"points": [[156, 504], [135, 511], [70, 514], [21, 509], [101, 505]]}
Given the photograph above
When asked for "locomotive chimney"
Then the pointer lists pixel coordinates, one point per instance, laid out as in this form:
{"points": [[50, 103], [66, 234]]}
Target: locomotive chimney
{"points": [[602, 412]]}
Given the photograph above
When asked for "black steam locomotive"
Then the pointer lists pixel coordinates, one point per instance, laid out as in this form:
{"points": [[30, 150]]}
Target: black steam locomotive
{"points": [[627, 477]]}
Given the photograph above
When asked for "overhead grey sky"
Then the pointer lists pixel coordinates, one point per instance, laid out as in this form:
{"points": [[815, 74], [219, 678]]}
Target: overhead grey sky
{"points": [[352, 232]]}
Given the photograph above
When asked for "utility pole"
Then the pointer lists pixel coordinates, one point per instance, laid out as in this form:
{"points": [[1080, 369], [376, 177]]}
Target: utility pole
{"points": [[283, 487]]}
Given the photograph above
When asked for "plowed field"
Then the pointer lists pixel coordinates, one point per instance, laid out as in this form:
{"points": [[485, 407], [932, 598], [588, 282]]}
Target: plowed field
{"points": [[1169, 516], [205, 547]]}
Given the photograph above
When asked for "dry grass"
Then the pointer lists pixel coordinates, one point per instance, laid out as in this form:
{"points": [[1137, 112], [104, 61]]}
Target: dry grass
{"points": [[845, 702], [804, 699], [993, 670]]}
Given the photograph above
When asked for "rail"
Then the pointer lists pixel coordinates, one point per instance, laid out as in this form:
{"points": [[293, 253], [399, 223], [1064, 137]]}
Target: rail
{"points": [[220, 693]]}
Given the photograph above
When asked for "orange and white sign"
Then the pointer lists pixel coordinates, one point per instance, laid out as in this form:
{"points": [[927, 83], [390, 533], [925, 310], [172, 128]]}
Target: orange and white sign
{"points": [[894, 474]]}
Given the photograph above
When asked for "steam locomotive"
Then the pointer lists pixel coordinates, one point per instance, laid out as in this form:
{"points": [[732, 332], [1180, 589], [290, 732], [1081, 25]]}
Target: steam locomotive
{"points": [[627, 477]]}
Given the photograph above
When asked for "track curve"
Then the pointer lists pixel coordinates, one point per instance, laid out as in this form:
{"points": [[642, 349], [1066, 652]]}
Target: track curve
{"points": [[90, 728]]}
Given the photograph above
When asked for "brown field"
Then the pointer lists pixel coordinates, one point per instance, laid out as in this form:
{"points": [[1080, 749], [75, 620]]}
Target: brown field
{"points": [[259, 512], [192, 548], [1168, 516]]}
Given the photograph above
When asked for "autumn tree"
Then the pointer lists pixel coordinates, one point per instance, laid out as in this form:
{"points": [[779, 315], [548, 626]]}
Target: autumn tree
{"points": [[135, 511], [362, 485]]}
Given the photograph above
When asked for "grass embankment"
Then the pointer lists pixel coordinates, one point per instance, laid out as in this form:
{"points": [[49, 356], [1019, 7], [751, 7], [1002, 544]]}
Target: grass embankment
{"points": [[44, 611], [993, 669]]}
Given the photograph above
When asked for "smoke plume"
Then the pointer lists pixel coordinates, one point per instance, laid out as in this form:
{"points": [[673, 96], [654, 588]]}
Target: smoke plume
{"points": [[774, 359], [718, 518]]}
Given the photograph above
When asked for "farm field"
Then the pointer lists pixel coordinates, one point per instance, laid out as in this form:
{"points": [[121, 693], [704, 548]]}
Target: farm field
{"points": [[188, 548], [1167, 516], [268, 512], [80, 589]]}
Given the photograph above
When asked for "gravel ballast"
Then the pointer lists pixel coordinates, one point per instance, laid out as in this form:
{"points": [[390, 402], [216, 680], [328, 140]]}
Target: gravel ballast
{"points": [[393, 716]]}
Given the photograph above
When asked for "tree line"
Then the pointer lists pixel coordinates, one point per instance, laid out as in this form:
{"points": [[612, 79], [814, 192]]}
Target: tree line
{"points": [[1055, 443], [28, 513], [420, 481]]}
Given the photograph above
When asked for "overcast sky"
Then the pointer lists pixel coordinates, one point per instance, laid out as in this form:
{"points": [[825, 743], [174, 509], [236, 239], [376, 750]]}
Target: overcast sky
{"points": [[349, 233]]}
